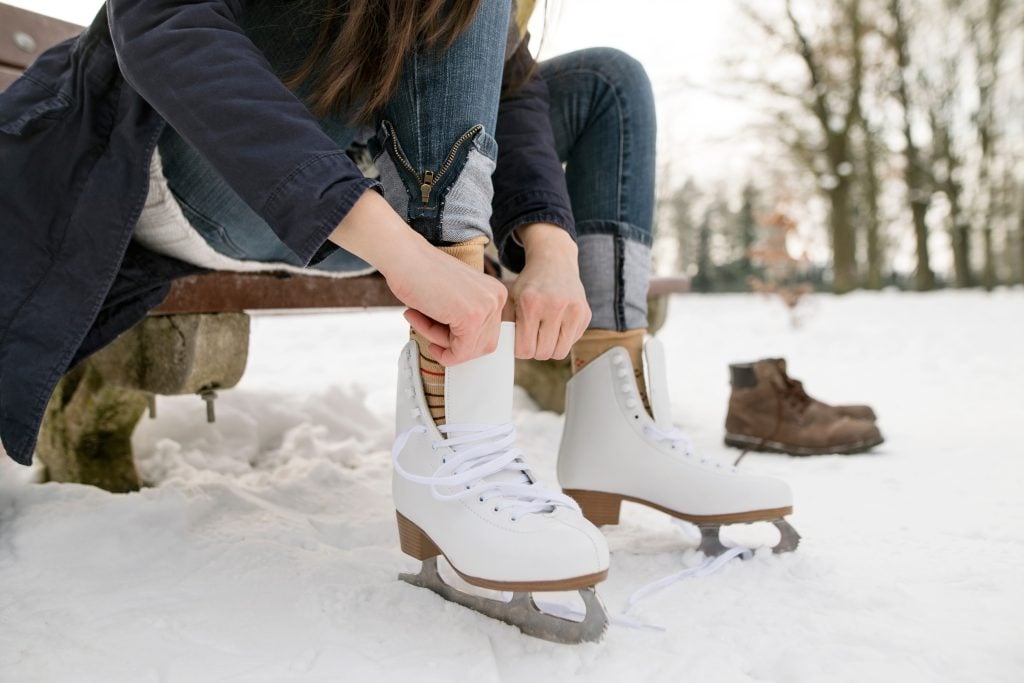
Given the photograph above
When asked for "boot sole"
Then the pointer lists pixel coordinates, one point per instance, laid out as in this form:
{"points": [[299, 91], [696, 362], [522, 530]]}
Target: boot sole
{"points": [[417, 544], [752, 443], [603, 508]]}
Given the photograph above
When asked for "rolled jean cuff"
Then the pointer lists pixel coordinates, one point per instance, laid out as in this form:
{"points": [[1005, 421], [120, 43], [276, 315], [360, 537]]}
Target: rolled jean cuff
{"points": [[625, 230], [615, 268]]}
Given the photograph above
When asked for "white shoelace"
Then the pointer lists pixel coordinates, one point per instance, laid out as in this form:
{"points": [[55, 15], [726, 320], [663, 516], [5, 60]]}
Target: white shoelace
{"points": [[679, 441], [623, 618], [485, 450], [480, 451]]}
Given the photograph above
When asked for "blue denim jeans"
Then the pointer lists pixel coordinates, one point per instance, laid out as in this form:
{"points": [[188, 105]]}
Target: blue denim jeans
{"points": [[602, 114], [440, 119]]}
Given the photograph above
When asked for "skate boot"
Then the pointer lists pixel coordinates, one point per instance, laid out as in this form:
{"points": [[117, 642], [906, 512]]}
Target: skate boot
{"points": [[613, 451], [770, 411], [464, 491]]}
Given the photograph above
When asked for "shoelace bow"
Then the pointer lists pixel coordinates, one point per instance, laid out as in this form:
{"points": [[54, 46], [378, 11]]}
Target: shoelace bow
{"points": [[478, 452], [676, 438]]}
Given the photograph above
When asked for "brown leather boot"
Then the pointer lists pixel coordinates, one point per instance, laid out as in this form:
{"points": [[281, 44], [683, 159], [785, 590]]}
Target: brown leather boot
{"points": [[856, 411], [769, 411]]}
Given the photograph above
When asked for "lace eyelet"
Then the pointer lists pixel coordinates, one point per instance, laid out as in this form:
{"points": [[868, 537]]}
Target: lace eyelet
{"points": [[497, 510], [481, 499], [513, 519]]}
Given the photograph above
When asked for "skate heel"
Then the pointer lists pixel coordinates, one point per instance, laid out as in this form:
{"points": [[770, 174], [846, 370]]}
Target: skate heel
{"points": [[600, 508], [414, 542]]}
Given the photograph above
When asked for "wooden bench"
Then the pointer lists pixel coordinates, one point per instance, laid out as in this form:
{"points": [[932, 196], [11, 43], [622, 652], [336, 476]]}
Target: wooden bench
{"points": [[197, 340]]}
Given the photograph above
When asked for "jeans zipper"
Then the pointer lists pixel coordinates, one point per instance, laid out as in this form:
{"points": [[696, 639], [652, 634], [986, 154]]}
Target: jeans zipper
{"points": [[429, 178]]}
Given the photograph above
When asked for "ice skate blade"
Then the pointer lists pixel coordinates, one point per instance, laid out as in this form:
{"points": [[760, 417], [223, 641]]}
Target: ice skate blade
{"points": [[521, 612], [712, 546]]}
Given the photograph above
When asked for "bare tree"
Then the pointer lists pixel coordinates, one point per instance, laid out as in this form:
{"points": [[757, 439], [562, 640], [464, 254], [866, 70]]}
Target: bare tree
{"points": [[870, 190], [948, 167], [918, 191], [831, 100], [986, 34]]}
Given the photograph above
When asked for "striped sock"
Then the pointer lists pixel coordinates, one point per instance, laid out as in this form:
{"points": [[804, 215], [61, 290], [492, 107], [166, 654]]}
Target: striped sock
{"points": [[593, 343], [471, 253]]}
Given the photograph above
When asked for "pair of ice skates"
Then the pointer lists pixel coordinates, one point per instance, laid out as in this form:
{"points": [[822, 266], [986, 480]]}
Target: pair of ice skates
{"points": [[463, 490]]}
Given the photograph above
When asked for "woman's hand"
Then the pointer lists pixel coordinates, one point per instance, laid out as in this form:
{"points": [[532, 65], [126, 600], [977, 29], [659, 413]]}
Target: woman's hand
{"points": [[456, 308], [547, 299]]}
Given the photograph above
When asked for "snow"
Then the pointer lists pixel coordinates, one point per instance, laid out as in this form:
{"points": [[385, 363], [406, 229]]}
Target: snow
{"points": [[266, 548]]}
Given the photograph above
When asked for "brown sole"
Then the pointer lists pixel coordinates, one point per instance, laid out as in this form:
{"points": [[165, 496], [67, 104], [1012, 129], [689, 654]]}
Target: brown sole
{"points": [[604, 508], [417, 544], [752, 443]]}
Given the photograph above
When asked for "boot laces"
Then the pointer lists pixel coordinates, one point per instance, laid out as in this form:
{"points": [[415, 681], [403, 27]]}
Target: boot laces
{"points": [[679, 441], [477, 453], [793, 391]]}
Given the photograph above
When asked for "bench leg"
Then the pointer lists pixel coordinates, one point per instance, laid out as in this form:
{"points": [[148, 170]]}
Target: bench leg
{"points": [[86, 435]]}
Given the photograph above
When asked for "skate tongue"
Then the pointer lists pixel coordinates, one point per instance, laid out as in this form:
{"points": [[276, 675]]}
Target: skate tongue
{"points": [[657, 383], [480, 391]]}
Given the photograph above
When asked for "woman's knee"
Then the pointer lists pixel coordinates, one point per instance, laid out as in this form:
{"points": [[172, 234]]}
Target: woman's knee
{"points": [[614, 68]]}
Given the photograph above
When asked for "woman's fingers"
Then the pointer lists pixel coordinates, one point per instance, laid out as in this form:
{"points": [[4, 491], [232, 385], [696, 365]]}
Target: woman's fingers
{"points": [[547, 337], [432, 331], [527, 323]]}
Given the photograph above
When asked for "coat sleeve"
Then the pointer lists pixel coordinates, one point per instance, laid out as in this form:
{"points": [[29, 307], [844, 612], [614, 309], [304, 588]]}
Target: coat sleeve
{"points": [[529, 182], [194, 64]]}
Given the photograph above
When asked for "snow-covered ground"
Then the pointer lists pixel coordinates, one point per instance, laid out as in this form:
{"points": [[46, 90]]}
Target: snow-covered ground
{"points": [[266, 548]]}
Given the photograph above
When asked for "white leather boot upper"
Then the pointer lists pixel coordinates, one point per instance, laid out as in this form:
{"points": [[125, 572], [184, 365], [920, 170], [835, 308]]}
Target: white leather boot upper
{"points": [[610, 444], [469, 489]]}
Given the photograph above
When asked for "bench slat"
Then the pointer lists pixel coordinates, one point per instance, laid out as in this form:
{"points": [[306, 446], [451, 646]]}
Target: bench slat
{"points": [[43, 31], [236, 292]]}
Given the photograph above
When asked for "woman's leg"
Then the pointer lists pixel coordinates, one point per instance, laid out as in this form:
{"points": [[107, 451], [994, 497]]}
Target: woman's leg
{"points": [[434, 146], [435, 153], [602, 114]]}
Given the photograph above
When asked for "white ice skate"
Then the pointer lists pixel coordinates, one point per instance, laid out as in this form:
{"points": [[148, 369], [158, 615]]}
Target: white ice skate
{"points": [[465, 491], [613, 451]]}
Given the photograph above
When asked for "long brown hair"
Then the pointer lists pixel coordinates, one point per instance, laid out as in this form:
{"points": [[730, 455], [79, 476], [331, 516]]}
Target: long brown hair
{"points": [[356, 60]]}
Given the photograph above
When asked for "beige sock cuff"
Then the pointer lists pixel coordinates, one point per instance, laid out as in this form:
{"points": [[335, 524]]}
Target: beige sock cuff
{"points": [[470, 252], [595, 342]]}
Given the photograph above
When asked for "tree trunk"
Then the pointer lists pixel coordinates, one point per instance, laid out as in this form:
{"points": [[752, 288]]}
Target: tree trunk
{"points": [[873, 279], [961, 239], [917, 194], [843, 242], [989, 279], [924, 278], [1020, 239]]}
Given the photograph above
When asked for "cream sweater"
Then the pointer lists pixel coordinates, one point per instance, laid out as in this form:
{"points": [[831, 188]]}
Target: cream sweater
{"points": [[163, 228]]}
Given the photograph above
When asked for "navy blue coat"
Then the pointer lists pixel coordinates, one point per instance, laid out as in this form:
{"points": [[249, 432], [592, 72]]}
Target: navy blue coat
{"points": [[77, 133]]}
